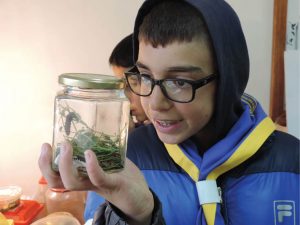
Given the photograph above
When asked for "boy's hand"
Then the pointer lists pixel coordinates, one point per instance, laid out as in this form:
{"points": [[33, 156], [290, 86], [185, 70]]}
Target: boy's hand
{"points": [[127, 189]]}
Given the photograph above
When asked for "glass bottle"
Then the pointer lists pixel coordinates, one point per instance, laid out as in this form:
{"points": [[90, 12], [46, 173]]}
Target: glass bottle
{"points": [[91, 112], [39, 196], [62, 200]]}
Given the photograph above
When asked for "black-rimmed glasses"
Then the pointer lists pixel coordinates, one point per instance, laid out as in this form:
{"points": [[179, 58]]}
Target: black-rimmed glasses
{"points": [[177, 90]]}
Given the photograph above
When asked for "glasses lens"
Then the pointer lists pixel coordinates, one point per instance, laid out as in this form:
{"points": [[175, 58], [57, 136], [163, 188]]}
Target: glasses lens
{"points": [[140, 84], [178, 90], [146, 85], [134, 82]]}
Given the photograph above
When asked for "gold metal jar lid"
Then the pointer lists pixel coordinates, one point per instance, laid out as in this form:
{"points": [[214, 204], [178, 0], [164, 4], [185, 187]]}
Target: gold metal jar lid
{"points": [[90, 81]]}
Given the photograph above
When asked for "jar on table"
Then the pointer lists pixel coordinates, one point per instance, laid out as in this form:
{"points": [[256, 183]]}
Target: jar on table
{"points": [[62, 200], [91, 112]]}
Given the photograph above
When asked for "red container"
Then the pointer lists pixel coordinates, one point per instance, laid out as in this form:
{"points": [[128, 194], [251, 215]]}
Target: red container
{"points": [[25, 213]]}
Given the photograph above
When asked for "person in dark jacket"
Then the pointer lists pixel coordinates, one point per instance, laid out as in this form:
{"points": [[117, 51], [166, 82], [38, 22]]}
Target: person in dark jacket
{"points": [[211, 156], [121, 60]]}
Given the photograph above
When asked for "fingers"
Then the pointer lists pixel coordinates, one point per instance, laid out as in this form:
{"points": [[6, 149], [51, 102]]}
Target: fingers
{"points": [[66, 164], [45, 161], [97, 176], [68, 173]]}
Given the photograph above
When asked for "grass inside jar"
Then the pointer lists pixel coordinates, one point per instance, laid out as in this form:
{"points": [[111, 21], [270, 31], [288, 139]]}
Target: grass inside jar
{"points": [[107, 148]]}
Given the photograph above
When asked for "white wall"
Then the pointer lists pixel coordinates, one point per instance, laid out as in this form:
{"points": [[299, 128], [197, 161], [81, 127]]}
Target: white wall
{"points": [[41, 39], [292, 68], [256, 17]]}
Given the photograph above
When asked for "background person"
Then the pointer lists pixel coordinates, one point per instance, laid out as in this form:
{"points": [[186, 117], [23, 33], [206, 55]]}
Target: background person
{"points": [[121, 60]]}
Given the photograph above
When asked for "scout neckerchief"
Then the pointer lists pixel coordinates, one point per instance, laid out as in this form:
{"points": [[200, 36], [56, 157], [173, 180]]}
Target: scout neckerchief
{"points": [[244, 139]]}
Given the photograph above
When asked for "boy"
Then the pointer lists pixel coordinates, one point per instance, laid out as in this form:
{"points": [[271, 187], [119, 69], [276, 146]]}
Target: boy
{"points": [[121, 60], [211, 155]]}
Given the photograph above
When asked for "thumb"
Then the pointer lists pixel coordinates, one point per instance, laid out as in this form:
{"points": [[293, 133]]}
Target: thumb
{"points": [[98, 177]]}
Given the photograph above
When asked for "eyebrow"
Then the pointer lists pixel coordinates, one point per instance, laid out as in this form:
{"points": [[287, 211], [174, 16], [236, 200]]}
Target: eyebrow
{"points": [[187, 68]]}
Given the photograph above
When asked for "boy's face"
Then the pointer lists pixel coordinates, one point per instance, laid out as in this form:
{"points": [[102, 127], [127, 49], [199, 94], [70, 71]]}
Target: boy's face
{"points": [[175, 122], [136, 108]]}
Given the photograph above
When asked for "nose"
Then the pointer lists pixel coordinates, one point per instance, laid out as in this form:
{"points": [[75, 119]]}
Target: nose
{"points": [[158, 101]]}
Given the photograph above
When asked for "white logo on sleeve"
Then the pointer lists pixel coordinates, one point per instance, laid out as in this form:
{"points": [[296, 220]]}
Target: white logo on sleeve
{"points": [[284, 212]]}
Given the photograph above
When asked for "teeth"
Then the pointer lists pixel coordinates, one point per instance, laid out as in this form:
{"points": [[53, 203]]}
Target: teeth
{"points": [[165, 123]]}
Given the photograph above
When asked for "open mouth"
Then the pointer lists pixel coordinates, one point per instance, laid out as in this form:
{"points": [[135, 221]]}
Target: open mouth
{"points": [[166, 123]]}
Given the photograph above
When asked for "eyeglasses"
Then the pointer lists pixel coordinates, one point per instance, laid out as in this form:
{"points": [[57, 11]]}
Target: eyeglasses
{"points": [[177, 90]]}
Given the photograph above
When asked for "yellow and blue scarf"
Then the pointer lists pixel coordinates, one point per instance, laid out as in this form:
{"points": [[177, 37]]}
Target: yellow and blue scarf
{"points": [[243, 141]]}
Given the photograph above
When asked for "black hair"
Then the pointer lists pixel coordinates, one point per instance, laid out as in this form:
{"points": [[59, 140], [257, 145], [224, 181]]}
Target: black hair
{"points": [[122, 54], [173, 21]]}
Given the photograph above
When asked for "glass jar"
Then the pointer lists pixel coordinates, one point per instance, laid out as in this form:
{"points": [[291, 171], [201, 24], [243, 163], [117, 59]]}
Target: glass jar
{"points": [[39, 195], [62, 200], [91, 112]]}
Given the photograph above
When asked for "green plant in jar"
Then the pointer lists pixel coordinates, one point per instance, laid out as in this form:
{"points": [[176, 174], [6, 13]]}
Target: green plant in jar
{"points": [[106, 147]]}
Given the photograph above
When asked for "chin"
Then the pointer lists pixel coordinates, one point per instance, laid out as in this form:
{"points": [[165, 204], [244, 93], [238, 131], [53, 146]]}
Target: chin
{"points": [[170, 139]]}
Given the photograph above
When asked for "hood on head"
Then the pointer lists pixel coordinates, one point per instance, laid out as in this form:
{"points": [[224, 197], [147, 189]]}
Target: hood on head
{"points": [[231, 54]]}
